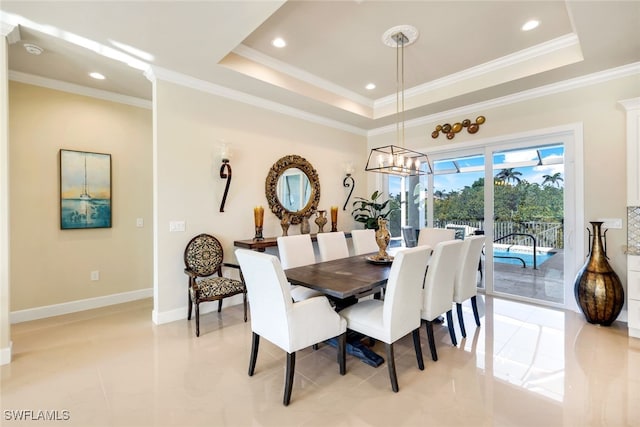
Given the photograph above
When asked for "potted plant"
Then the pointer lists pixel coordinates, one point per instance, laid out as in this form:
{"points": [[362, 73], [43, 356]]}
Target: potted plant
{"points": [[367, 211]]}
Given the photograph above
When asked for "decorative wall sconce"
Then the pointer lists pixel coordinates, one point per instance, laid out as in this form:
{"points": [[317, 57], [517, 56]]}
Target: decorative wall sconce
{"points": [[225, 172], [347, 182], [450, 131]]}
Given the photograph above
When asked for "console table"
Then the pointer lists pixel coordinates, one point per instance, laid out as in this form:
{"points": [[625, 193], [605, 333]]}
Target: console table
{"points": [[268, 242]]}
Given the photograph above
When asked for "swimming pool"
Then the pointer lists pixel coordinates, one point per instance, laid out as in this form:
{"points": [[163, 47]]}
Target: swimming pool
{"points": [[526, 256]]}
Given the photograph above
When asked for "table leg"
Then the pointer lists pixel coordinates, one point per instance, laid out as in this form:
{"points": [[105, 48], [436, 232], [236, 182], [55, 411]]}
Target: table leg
{"points": [[356, 348]]}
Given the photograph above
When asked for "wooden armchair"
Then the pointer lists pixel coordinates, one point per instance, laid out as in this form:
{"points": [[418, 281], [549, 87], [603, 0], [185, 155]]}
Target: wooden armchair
{"points": [[203, 259]]}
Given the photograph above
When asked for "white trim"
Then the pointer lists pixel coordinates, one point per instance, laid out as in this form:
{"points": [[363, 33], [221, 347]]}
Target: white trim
{"points": [[160, 318], [297, 73], [235, 95], [572, 136], [193, 83], [77, 89], [516, 58], [5, 354], [550, 89], [79, 305]]}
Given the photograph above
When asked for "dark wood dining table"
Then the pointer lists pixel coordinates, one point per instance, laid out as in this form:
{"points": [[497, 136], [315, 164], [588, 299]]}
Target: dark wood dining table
{"points": [[345, 280]]}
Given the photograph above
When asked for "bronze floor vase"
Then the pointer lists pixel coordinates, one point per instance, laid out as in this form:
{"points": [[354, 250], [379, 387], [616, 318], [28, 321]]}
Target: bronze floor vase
{"points": [[597, 288]]}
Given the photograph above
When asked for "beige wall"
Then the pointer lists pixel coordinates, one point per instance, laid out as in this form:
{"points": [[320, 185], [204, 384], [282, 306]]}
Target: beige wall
{"points": [[190, 125], [52, 266], [604, 144]]}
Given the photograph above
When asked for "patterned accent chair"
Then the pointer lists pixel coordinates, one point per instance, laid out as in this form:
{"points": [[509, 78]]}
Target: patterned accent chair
{"points": [[203, 260]]}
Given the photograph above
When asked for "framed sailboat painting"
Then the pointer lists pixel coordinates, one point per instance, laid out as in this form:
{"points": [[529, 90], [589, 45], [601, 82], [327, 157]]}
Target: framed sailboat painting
{"points": [[85, 190]]}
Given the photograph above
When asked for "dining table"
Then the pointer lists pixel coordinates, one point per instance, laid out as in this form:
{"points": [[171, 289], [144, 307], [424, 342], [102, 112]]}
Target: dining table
{"points": [[344, 281]]}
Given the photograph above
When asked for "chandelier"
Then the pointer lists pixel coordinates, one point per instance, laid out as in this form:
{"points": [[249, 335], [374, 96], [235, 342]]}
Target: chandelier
{"points": [[396, 159]]}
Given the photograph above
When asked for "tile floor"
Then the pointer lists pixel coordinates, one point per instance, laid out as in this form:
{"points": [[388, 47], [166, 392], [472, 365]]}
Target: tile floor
{"points": [[525, 366]]}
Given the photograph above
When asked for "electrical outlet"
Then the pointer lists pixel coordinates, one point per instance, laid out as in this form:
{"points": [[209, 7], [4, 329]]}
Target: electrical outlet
{"points": [[95, 275]]}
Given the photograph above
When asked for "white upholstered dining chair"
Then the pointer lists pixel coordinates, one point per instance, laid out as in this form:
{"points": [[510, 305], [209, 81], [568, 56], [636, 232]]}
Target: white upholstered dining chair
{"points": [[432, 236], [364, 241], [438, 289], [466, 282], [332, 245], [289, 325], [399, 313], [296, 251]]}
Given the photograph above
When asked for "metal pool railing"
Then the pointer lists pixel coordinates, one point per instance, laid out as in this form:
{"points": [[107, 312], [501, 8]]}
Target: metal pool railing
{"points": [[524, 264]]}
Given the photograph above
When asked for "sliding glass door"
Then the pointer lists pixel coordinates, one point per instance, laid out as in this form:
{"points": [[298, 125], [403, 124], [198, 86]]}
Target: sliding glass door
{"points": [[528, 222], [523, 196]]}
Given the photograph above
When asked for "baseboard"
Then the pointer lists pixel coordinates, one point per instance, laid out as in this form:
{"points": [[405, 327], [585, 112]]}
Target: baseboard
{"points": [[79, 305], [5, 355], [160, 318]]}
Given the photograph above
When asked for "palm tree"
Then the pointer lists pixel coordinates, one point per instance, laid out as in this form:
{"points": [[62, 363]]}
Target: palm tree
{"points": [[439, 194], [552, 179], [509, 174]]}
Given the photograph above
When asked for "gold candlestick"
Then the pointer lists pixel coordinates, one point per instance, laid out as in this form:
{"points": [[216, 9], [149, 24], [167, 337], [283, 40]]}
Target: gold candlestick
{"points": [[258, 219], [334, 218]]}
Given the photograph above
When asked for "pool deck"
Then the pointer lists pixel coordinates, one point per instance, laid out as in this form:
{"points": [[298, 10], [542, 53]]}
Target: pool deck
{"points": [[546, 283]]}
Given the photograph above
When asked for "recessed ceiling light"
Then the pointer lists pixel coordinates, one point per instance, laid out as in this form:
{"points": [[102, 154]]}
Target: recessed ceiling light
{"points": [[370, 86], [33, 49], [279, 42], [530, 25], [97, 76]]}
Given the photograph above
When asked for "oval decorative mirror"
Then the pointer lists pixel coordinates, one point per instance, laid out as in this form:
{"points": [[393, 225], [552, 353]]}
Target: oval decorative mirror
{"points": [[292, 187]]}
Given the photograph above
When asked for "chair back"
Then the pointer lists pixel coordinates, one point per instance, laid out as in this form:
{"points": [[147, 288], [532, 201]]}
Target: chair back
{"points": [[332, 245], [409, 235], [295, 251], [203, 255], [269, 295], [466, 281], [438, 285], [432, 236], [402, 303], [364, 241]]}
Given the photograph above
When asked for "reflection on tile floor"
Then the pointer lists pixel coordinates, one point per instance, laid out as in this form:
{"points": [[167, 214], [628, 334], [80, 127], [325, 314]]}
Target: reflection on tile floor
{"points": [[525, 366]]}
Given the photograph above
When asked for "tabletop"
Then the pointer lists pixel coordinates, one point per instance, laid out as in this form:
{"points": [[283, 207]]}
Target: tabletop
{"points": [[341, 278]]}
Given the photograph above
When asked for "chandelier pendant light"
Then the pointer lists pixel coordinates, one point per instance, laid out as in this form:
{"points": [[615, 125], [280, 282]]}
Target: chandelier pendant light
{"points": [[396, 159]]}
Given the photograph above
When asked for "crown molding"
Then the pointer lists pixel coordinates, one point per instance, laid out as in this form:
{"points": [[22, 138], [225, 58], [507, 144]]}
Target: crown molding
{"points": [[154, 73], [514, 59], [78, 90], [551, 89], [630, 104], [302, 75], [10, 31], [158, 73]]}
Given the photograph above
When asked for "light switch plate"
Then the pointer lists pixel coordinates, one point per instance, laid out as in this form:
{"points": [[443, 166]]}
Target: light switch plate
{"points": [[139, 222], [175, 226], [611, 222]]}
